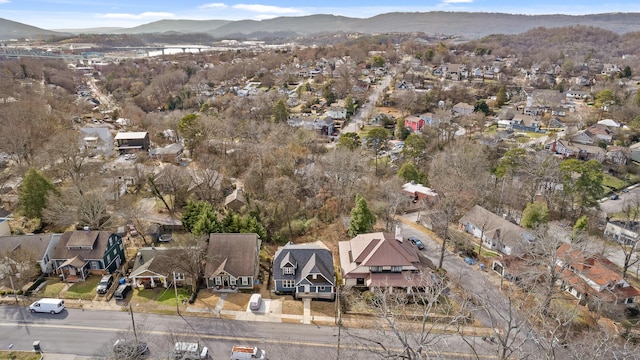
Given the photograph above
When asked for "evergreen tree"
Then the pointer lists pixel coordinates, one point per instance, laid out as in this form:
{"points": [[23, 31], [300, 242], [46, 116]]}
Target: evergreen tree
{"points": [[33, 193], [280, 111], [535, 214], [362, 219], [501, 96], [349, 140]]}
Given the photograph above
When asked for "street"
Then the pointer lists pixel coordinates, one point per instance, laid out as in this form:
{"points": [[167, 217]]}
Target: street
{"points": [[92, 333], [365, 111]]}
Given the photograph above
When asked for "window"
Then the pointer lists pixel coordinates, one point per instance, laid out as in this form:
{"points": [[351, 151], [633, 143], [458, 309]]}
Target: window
{"points": [[288, 270], [288, 283], [360, 281], [179, 276], [245, 280], [376, 268], [232, 281], [396, 268], [108, 258], [115, 251], [218, 281]]}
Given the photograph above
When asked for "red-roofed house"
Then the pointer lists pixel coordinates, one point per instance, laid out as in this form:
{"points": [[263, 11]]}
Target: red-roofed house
{"points": [[380, 260], [593, 277]]}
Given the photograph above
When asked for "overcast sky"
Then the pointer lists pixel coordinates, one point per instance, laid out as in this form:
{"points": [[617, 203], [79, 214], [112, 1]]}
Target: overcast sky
{"points": [[79, 14]]}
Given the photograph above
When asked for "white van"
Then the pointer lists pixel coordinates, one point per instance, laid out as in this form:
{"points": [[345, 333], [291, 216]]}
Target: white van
{"points": [[248, 353], [255, 301], [46, 305]]}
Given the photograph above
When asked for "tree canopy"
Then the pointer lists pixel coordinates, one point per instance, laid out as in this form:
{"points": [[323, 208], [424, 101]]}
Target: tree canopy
{"points": [[33, 193], [362, 219]]}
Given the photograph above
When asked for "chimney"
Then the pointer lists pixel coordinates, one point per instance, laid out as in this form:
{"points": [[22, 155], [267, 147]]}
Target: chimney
{"points": [[399, 233]]}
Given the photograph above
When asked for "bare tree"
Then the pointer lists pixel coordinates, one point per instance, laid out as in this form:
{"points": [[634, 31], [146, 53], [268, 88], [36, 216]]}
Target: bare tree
{"points": [[629, 240]]}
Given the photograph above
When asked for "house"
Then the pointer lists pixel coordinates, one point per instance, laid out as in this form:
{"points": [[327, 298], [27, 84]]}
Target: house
{"points": [[495, 232], [380, 260], [556, 124], [462, 108], [171, 153], [97, 140], [419, 192], [81, 252], [526, 123], [233, 261], [583, 137], [513, 268], [337, 112], [152, 267], [635, 151], [600, 132], [582, 152], [129, 142], [304, 270], [592, 277], [617, 155], [624, 232], [36, 248], [235, 201]]}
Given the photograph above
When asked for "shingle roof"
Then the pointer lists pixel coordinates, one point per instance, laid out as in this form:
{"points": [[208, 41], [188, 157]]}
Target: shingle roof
{"points": [[62, 251], [311, 258], [236, 254], [157, 260], [36, 244], [376, 249]]}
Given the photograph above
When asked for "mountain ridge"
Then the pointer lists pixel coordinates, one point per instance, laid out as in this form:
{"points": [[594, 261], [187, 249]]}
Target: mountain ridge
{"points": [[469, 25]]}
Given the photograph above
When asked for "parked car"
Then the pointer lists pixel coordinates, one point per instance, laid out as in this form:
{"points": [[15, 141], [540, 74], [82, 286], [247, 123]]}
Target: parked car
{"points": [[165, 238], [615, 197], [255, 302], [132, 229], [124, 349], [470, 261], [190, 351], [417, 242], [105, 284], [122, 291]]}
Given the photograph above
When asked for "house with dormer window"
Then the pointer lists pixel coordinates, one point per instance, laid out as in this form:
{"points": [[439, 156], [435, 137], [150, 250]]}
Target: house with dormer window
{"points": [[83, 252], [232, 261], [380, 260], [304, 271]]}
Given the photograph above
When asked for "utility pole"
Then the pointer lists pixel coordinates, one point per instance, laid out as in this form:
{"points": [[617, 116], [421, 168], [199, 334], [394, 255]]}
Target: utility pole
{"points": [[13, 289], [133, 323], [175, 288], [339, 320]]}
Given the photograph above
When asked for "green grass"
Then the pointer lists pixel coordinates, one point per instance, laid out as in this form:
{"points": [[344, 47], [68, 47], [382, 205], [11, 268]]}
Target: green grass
{"points": [[53, 288], [19, 355], [491, 129], [169, 296], [613, 182], [85, 290]]}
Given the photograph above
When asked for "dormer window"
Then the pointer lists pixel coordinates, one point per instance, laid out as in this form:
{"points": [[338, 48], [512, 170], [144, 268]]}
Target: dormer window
{"points": [[288, 270]]}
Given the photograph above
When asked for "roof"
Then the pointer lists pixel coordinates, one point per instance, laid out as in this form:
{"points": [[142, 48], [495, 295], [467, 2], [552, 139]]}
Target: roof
{"points": [[84, 239], [101, 132], [376, 249], [36, 244], [495, 226], [62, 251], [309, 258], [169, 149], [154, 259], [413, 188], [131, 135], [595, 267], [236, 195], [236, 254]]}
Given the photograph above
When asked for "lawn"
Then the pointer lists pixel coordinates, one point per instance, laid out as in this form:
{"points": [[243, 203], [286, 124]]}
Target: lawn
{"points": [[236, 301], [292, 307], [613, 182], [323, 308], [53, 288], [160, 296], [85, 290], [168, 297], [19, 355]]}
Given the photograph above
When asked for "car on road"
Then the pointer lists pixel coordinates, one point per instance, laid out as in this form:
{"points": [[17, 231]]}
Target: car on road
{"points": [[47, 305], [417, 242], [122, 291], [614, 197], [124, 349], [105, 284], [470, 261], [190, 351]]}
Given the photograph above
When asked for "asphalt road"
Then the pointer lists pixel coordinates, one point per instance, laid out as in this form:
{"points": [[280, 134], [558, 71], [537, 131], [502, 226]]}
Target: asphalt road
{"points": [[631, 198], [92, 333], [364, 112]]}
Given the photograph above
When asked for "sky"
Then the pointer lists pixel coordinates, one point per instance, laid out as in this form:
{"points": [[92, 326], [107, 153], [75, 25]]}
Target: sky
{"points": [[82, 14]]}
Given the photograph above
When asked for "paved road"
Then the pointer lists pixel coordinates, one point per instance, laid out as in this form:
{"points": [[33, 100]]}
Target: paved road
{"points": [[631, 198], [364, 112], [90, 333]]}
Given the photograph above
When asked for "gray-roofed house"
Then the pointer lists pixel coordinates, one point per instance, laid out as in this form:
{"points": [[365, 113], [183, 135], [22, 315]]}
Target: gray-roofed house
{"points": [[37, 248], [97, 141], [235, 201], [232, 261], [495, 232], [379, 260], [304, 270], [152, 268], [171, 153], [82, 252]]}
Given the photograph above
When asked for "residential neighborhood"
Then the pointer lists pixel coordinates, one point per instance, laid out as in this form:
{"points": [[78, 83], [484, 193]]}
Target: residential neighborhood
{"points": [[410, 186]]}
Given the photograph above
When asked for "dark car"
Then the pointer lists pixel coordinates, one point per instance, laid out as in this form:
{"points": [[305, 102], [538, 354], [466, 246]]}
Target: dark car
{"points": [[105, 284], [417, 242], [122, 291], [124, 349]]}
